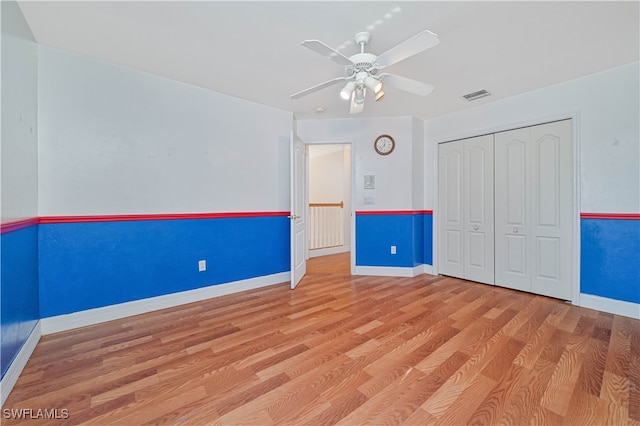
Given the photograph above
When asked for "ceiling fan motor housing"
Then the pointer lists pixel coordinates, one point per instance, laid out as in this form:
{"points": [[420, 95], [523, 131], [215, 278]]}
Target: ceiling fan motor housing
{"points": [[363, 61]]}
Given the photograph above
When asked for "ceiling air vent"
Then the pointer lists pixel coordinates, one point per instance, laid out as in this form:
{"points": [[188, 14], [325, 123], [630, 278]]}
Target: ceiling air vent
{"points": [[476, 95]]}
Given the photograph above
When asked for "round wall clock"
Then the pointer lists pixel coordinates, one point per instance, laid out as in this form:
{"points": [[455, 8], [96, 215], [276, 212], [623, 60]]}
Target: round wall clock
{"points": [[384, 144]]}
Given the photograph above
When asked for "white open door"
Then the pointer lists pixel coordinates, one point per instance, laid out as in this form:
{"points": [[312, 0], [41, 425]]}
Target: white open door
{"points": [[298, 213]]}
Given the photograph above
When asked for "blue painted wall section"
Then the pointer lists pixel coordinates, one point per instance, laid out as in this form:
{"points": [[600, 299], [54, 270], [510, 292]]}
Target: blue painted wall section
{"points": [[418, 238], [19, 288], [428, 238], [96, 264], [376, 232], [610, 258]]}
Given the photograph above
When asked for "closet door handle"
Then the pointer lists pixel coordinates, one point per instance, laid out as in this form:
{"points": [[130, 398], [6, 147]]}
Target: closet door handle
{"points": [[475, 228], [515, 230]]}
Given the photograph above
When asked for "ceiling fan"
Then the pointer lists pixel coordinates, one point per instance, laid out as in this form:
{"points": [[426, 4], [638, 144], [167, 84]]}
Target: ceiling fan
{"points": [[362, 69]]}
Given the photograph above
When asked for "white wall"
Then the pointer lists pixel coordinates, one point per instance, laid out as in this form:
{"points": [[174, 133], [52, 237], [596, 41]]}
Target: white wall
{"points": [[19, 164], [418, 165], [394, 174], [326, 178], [607, 105], [118, 141]]}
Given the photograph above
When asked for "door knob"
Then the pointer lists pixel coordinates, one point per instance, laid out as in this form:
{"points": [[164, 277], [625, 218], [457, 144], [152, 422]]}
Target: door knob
{"points": [[293, 216], [515, 230], [475, 228]]}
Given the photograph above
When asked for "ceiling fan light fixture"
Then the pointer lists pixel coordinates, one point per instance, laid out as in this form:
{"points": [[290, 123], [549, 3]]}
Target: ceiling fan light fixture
{"points": [[362, 68], [373, 84], [347, 90]]}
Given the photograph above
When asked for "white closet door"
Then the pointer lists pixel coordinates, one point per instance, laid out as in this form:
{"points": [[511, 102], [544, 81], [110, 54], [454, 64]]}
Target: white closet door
{"points": [[552, 201], [450, 241], [478, 209], [512, 204], [533, 209]]}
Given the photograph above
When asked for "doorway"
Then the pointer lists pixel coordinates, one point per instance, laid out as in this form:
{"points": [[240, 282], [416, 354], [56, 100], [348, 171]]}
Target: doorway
{"points": [[329, 199]]}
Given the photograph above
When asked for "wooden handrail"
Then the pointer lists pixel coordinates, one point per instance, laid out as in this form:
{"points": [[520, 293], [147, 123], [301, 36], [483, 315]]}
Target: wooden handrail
{"points": [[340, 204]]}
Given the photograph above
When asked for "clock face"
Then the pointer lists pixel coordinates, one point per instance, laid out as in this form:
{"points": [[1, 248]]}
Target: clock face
{"points": [[384, 144]]}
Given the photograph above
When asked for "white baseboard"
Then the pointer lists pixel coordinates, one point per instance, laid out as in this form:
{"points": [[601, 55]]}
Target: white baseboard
{"points": [[108, 313], [390, 271], [15, 369], [329, 250], [612, 306], [428, 269]]}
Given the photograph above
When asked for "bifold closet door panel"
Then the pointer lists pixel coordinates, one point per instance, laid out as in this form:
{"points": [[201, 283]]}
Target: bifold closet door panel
{"points": [[450, 226], [512, 205], [477, 202], [533, 209], [551, 213]]}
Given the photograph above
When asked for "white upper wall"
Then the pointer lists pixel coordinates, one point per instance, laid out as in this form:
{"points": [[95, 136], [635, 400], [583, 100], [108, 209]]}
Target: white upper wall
{"points": [[326, 177], [418, 165], [607, 106], [119, 141], [393, 173], [19, 152]]}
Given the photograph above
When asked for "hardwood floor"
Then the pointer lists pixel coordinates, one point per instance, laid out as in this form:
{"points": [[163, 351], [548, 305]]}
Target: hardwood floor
{"points": [[334, 264], [344, 350]]}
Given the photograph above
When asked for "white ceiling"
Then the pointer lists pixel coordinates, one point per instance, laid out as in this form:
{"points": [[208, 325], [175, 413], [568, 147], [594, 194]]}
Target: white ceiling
{"points": [[252, 49]]}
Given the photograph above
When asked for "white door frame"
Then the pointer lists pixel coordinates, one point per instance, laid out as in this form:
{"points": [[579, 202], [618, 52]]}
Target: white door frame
{"points": [[575, 148], [352, 213]]}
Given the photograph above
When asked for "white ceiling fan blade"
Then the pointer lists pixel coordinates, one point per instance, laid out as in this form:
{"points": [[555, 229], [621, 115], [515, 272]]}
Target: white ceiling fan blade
{"points": [[416, 44], [317, 87], [326, 51], [407, 84], [355, 108]]}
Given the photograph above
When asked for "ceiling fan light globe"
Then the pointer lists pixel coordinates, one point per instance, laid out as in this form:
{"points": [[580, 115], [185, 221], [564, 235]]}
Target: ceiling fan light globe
{"points": [[347, 90], [373, 84]]}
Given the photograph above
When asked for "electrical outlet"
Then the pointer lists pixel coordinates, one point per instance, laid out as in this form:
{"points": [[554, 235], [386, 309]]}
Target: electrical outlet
{"points": [[393, 249], [202, 265], [369, 201]]}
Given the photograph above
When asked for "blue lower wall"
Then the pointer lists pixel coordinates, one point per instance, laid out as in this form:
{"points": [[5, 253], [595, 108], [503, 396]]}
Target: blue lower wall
{"points": [[610, 258], [95, 264], [19, 291], [377, 232], [428, 238], [417, 237]]}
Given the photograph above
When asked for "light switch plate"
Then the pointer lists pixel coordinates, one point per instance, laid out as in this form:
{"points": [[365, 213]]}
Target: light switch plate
{"points": [[369, 181]]}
